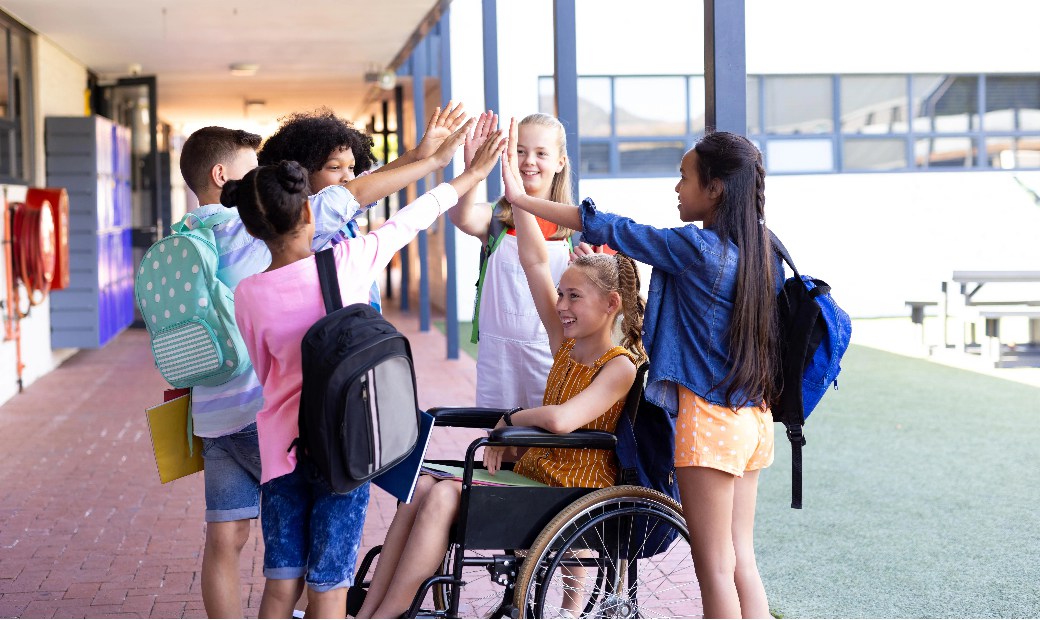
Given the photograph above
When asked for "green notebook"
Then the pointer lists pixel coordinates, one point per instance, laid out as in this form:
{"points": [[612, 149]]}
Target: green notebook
{"points": [[481, 477]]}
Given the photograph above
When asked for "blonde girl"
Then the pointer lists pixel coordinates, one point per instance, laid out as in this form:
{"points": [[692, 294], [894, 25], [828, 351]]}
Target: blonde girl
{"points": [[513, 356]]}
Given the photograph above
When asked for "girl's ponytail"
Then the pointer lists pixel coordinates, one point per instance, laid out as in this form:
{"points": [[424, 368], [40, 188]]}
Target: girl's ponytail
{"points": [[229, 194], [632, 307]]}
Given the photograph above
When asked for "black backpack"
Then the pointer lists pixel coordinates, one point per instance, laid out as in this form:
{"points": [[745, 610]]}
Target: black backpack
{"points": [[646, 457], [814, 334], [359, 414]]}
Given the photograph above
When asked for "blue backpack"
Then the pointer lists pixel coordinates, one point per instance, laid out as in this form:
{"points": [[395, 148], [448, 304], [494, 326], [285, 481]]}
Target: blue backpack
{"points": [[646, 457], [814, 333]]}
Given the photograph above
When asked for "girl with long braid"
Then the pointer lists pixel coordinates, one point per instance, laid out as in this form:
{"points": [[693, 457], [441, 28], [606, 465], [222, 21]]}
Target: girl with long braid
{"points": [[711, 338]]}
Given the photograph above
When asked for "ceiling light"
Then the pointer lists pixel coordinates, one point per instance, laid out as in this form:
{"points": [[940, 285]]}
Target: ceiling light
{"points": [[386, 79], [243, 69]]}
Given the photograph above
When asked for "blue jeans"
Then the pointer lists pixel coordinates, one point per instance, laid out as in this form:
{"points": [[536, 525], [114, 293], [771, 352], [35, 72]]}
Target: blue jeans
{"points": [[232, 466], [311, 531]]}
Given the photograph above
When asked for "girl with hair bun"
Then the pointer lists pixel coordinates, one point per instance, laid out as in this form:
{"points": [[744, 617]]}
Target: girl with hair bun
{"points": [[586, 388], [712, 340], [311, 533]]}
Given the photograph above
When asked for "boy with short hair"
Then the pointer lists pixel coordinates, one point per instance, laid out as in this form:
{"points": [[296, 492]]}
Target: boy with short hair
{"points": [[225, 416]]}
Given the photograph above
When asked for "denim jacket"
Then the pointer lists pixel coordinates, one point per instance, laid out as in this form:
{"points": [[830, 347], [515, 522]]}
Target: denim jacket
{"points": [[688, 307]]}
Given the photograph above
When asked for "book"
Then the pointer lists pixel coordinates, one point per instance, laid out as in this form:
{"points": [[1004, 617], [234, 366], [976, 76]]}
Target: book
{"points": [[178, 452], [400, 479], [481, 477]]}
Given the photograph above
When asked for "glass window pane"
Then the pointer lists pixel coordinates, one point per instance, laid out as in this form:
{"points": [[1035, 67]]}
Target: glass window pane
{"points": [[1006, 152], [1012, 103], [953, 152], [594, 106], [1027, 155], [546, 96], [640, 157], [753, 112], [945, 103], [595, 157], [799, 105], [873, 104], [697, 104], [799, 156], [888, 154], [1000, 151], [651, 106]]}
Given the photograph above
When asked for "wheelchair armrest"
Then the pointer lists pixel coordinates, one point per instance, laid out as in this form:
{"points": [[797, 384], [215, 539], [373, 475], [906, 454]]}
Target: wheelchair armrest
{"points": [[534, 437], [466, 417]]}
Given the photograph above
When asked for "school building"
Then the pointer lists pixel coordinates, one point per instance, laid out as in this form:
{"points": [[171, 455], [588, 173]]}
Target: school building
{"points": [[902, 140]]}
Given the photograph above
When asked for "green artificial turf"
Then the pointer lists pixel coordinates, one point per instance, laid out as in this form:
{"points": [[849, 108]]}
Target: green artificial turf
{"points": [[921, 498]]}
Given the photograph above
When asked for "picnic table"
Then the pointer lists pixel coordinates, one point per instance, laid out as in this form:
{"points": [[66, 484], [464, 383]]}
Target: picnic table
{"points": [[991, 309]]}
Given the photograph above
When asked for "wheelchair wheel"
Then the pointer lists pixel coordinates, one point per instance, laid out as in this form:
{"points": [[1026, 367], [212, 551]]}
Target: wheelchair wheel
{"points": [[619, 552]]}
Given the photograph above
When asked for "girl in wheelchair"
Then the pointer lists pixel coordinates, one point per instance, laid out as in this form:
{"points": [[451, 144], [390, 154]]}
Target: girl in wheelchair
{"points": [[585, 389]]}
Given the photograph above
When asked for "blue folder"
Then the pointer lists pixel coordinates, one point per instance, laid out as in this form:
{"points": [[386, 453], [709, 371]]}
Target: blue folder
{"points": [[400, 479]]}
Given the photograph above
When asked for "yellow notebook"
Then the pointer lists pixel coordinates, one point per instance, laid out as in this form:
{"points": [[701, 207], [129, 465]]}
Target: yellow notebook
{"points": [[178, 452]]}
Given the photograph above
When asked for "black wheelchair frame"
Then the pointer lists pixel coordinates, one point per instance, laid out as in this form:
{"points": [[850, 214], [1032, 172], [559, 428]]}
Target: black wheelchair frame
{"points": [[547, 533]]}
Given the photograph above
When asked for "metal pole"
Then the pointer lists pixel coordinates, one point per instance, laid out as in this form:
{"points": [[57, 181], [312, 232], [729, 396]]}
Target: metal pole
{"points": [[419, 70], [565, 77], [451, 301], [725, 66], [402, 196], [490, 30]]}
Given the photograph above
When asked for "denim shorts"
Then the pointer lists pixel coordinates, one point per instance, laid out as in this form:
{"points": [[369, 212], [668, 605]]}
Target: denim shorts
{"points": [[232, 466], [311, 531]]}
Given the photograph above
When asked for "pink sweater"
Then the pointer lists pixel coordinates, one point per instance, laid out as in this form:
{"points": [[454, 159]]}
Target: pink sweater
{"points": [[274, 310]]}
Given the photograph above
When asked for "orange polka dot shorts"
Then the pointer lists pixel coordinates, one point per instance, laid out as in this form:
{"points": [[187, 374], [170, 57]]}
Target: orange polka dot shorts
{"points": [[715, 436]]}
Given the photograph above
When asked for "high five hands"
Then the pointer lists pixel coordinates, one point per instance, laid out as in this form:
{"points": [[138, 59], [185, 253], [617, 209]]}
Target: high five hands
{"points": [[444, 122], [512, 182]]}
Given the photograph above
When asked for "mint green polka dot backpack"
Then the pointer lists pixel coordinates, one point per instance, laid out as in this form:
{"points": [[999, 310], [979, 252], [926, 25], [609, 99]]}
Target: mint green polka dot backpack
{"points": [[189, 313]]}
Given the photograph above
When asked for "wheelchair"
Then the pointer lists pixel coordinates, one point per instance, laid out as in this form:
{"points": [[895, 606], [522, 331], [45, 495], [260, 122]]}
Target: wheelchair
{"points": [[548, 552]]}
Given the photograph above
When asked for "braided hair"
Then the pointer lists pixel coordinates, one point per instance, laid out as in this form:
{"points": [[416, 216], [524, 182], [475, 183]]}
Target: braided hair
{"points": [[740, 218], [618, 273], [270, 199]]}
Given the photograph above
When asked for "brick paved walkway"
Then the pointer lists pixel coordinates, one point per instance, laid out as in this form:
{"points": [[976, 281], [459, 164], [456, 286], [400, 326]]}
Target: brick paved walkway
{"points": [[86, 530]]}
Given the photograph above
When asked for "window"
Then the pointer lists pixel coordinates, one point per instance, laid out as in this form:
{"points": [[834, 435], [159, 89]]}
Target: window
{"points": [[811, 124], [798, 105], [16, 152], [650, 106], [873, 104]]}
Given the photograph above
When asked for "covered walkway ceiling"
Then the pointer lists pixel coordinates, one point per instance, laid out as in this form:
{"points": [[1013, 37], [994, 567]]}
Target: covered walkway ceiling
{"points": [[309, 52]]}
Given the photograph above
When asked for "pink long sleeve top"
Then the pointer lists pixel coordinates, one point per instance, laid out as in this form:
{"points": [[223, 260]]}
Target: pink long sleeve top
{"points": [[274, 309]]}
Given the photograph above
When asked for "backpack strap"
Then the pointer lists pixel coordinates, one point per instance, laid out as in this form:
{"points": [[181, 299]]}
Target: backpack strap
{"points": [[326, 263], [781, 251], [497, 231], [792, 417], [203, 222]]}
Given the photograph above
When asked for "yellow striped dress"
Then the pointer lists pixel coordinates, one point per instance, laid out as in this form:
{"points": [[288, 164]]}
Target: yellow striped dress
{"points": [[572, 467]]}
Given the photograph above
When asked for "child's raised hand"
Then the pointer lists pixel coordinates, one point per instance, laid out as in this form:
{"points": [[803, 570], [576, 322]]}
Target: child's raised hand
{"points": [[511, 179], [487, 154], [446, 151], [486, 123], [444, 122]]}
